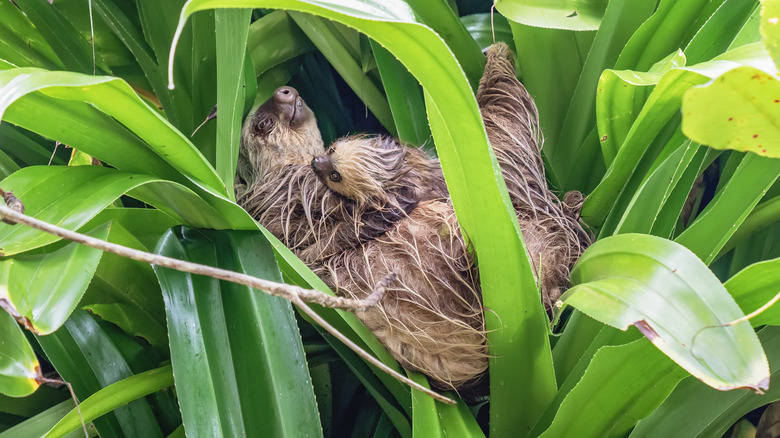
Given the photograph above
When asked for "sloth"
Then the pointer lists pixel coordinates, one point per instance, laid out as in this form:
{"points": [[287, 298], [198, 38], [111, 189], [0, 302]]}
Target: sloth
{"points": [[554, 238], [369, 206], [356, 230]]}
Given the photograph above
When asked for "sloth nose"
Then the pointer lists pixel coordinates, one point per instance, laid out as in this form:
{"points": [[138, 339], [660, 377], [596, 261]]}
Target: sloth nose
{"points": [[320, 164], [285, 95]]}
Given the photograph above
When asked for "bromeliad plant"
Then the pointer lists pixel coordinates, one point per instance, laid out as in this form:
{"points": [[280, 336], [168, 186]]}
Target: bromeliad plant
{"points": [[662, 112]]}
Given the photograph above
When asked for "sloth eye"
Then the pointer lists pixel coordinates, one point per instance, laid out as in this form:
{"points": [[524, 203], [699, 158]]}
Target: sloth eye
{"points": [[335, 176], [331, 150]]}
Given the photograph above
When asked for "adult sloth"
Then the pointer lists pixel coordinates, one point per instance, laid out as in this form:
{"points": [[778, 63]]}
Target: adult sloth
{"points": [[387, 210]]}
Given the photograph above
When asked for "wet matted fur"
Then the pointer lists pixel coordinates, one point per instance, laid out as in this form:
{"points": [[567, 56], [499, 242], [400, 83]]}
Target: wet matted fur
{"points": [[353, 235], [553, 236]]}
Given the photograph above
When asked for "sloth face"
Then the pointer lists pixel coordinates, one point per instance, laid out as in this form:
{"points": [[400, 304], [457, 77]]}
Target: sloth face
{"points": [[363, 169], [283, 130]]}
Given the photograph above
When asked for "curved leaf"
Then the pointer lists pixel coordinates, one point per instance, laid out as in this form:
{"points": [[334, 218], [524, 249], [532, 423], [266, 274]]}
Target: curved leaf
{"points": [[115, 98], [621, 385], [71, 196], [697, 411], [19, 368], [755, 286], [235, 351], [557, 14], [480, 198], [675, 301], [45, 288], [770, 27], [113, 396], [739, 110]]}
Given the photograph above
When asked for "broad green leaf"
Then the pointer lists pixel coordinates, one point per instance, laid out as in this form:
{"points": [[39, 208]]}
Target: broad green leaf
{"points": [[439, 16], [720, 30], [232, 27], [21, 44], [85, 356], [482, 28], [126, 292], [405, 99], [322, 35], [557, 14], [45, 288], [7, 165], [619, 100], [661, 107], [542, 54], [480, 199], [738, 110], [113, 396], [754, 287], [670, 28], [19, 368], [763, 216], [695, 410], [621, 385], [676, 301], [235, 351], [38, 425], [113, 97], [437, 420], [731, 205], [648, 202], [770, 28], [621, 19], [74, 51], [274, 39], [125, 29], [71, 196]]}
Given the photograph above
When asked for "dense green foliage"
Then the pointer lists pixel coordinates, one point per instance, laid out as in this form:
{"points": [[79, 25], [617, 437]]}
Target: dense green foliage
{"points": [[660, 111]]}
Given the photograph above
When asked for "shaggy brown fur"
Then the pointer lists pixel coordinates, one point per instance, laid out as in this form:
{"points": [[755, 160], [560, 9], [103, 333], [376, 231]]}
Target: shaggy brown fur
{"points": [[384, 213], [553, 236]]}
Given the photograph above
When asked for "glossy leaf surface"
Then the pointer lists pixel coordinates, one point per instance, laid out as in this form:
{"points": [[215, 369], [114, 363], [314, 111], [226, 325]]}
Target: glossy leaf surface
{"points": [[676, 301], [19, 367]]}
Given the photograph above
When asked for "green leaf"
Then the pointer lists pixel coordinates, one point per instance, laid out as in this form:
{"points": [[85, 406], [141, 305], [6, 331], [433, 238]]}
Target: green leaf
{"points": [[738, 110], [696, 410], [405, 99], [19, 368], [557, 14], [21, 44], [71, 196], [232, 27], [483, 26], [322, 34], [45, 288], [676, 301], [74, 51], [38, 425], [85, 355], [731, 205], [755, 286], [274, 39], [110, 96], [661, 107], [770, 28], [113, 396], [235, 351], [437, 420], [621, 385], [441, 17], [479, 197]]}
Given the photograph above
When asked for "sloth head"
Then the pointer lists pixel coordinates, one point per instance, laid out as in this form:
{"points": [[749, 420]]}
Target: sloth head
{"points": [[283, 130], [370, 171]]}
